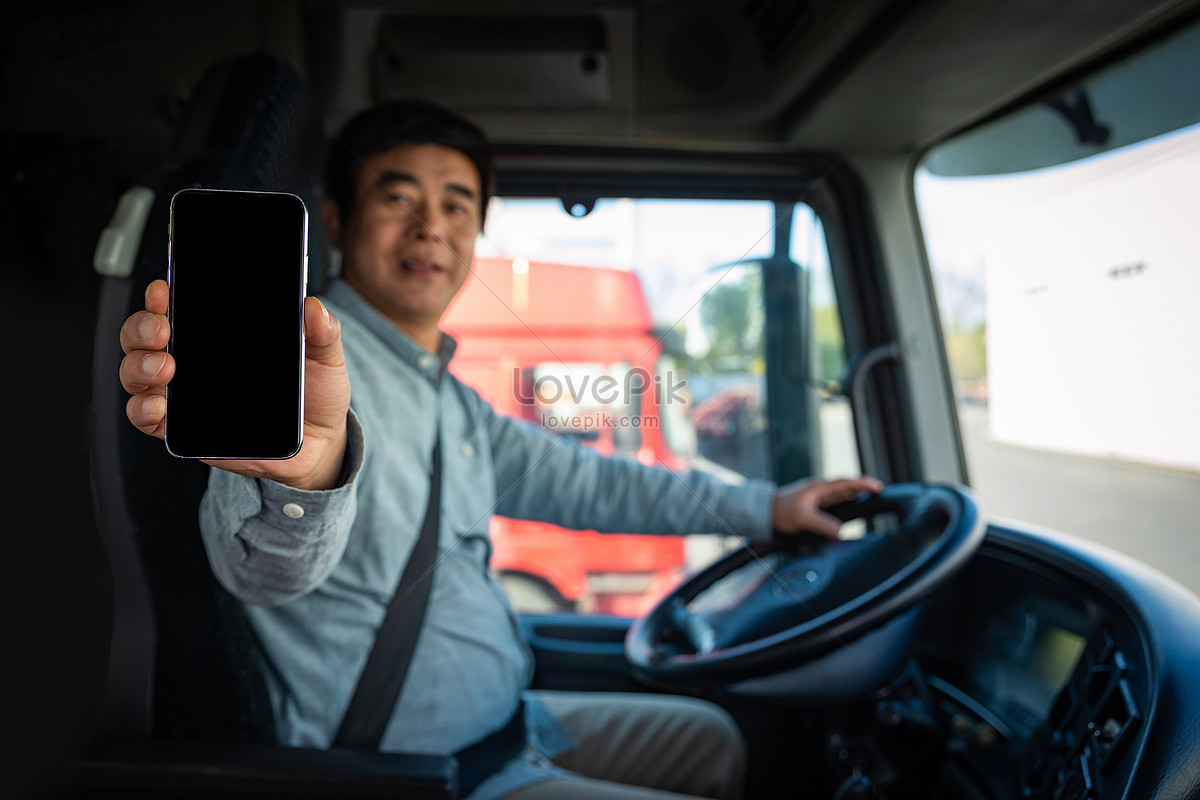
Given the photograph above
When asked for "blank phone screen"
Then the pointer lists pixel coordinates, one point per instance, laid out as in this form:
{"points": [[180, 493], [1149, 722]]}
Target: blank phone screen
{"points": [[237, 275]]}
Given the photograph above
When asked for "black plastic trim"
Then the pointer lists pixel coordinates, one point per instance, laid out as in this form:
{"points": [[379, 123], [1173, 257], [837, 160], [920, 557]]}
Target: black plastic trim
{"points": [[865, 43], [1169, 23]]}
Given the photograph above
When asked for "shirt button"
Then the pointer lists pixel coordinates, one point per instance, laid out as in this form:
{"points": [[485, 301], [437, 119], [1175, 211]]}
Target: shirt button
{"points": [[293, 510], [425, 361], [468, 450]]}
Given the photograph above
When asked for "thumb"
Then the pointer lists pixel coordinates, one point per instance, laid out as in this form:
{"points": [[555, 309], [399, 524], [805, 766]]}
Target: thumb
{"points": [[322, 332]]}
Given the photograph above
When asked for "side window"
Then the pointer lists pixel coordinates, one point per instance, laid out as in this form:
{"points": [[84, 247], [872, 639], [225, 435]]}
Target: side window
{"points": [[1067, 297], [639, 329]]}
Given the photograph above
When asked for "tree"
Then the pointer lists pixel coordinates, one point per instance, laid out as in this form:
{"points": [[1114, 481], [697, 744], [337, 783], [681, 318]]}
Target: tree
{"points": [[731, 316]]}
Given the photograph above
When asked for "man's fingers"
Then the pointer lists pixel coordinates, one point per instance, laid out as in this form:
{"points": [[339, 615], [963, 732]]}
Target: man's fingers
{"points": [[800, 506], [158, 294], [148, 413], [148, 330], [834, 492], [144, 370], [145, 331], [840, 491]]}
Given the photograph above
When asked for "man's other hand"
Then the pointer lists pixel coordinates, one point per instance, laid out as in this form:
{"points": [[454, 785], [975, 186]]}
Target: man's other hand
{"points": [[798, 506]]}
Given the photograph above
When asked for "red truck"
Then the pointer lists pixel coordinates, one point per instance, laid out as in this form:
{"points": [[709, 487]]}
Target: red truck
{"points": [[573, 349]]}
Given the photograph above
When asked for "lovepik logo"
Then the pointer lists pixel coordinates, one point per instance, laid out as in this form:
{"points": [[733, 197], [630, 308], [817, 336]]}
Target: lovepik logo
{"points": [[591, 390]]}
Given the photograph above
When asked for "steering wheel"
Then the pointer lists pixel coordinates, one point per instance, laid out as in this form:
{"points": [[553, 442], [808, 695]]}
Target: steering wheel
{"points": [[768, 607]]}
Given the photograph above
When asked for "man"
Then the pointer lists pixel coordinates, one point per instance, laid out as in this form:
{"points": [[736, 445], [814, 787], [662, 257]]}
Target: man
{"points": [[314, 545]]}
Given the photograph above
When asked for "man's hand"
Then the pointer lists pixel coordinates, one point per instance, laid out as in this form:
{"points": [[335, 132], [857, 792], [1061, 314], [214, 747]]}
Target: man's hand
{"points": [[797, 506], [147, 369]]}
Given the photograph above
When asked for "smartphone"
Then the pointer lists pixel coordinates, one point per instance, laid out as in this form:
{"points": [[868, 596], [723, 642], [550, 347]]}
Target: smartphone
{"points": [[238, 272]]}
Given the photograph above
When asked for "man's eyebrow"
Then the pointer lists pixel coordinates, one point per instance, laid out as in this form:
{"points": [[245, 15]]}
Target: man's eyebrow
{"points": [[457, 188], [387, 179]]}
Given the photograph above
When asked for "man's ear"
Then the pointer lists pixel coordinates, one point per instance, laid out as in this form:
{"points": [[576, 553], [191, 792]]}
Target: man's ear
{"points": [[333, 223]]}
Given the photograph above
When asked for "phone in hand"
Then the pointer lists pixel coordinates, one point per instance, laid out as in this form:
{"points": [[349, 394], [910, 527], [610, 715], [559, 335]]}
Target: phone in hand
{"points": [[238, 272]]}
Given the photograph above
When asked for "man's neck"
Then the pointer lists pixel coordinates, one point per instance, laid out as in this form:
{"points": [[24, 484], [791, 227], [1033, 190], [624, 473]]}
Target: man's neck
{"points": [[422, 330], [428, 337]]}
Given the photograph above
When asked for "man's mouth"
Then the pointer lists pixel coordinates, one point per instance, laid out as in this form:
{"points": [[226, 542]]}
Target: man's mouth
{"points": [[417, 265]]}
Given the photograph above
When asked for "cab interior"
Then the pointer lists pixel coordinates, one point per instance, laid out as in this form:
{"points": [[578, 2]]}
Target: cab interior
{"points": [[1022, 663]]}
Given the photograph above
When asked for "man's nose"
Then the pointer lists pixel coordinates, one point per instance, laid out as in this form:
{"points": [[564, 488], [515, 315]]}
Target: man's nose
{"points": [[428, 222]]}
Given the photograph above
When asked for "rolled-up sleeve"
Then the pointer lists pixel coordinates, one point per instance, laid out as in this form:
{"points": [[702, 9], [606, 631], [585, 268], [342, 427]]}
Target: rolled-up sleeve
{"points": [[544, 477], [269, 543]]}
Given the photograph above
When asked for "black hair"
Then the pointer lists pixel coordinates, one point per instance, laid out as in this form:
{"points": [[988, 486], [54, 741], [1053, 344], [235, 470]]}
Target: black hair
{"points": [[397, 123]]}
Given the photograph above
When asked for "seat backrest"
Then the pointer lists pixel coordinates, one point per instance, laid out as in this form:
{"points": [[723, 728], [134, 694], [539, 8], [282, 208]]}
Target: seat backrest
{"points": [[183, 662]]}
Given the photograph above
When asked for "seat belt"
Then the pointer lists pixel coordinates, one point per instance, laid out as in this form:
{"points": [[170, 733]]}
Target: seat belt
{"points": [[382, 678], [387, 665]]}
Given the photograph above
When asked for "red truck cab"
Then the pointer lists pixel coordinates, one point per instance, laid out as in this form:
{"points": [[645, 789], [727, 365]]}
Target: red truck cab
{"points": [[572, 349]]}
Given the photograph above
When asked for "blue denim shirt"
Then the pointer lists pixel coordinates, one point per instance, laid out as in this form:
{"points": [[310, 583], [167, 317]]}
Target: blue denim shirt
{"points": [[316, 570]]}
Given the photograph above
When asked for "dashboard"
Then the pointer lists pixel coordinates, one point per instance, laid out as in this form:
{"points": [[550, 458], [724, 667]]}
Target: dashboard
{"points": [[1039, 678]]}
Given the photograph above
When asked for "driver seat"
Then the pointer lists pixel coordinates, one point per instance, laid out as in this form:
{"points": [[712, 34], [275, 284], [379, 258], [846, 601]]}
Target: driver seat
{"points": [[187, 712]]}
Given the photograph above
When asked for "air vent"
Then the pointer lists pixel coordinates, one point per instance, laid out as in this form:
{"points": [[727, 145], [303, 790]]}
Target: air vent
{"points": [[1115, 721], [1091, 724], [777, 26]]}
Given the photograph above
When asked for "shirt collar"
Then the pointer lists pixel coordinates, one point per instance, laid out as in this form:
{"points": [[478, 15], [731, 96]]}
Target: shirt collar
{"points": [[432, 366]]}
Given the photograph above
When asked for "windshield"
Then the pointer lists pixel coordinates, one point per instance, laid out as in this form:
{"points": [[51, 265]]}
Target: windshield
{"points": [[636, 327]]}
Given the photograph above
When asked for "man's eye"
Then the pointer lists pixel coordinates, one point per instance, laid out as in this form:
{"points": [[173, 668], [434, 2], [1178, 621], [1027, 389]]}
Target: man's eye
{"points": [[399, 197]]}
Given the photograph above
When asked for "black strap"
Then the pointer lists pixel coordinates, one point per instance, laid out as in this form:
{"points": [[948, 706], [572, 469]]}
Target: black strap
{"points": [[387, 666], [486, 757]]}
